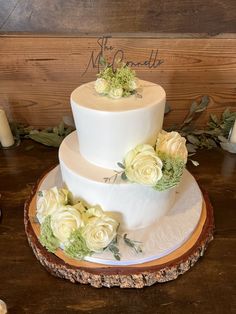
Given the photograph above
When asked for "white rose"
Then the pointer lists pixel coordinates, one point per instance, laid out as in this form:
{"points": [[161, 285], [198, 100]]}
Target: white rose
{"points": [[49, 201], [133, 85], [95, 211], [99, 232], [101, 86], [65, 220], [116, 93], [142, 165], [80, 207], [172, 144]]}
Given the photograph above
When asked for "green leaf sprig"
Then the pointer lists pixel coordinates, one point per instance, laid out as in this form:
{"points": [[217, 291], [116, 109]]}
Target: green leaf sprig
{"points": [[135, 245], [114, 177], [113, 248], [209, 137], [48, 136]]}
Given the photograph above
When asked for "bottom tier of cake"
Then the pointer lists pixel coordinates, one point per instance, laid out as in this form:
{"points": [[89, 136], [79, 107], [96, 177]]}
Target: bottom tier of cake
{"points": [[134, 206]]}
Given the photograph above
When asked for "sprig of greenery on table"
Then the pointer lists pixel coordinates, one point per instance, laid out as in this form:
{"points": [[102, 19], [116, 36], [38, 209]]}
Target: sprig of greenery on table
{"points": [[216, 131], [217, 128], [49, 136]]}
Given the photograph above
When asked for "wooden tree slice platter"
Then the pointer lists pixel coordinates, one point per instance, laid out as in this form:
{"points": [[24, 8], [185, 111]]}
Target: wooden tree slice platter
{"points": [[160, 270]]}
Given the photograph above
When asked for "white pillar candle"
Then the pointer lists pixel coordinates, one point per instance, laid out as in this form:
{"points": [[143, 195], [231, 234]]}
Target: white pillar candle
{"points": [[233, 134], [6, 137], [3, 307]]}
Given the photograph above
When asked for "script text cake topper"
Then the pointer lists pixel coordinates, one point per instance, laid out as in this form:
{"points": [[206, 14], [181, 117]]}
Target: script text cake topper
{"points": [[151, 61]]}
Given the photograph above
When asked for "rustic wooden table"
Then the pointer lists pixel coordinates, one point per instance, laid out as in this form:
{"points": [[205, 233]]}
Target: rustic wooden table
{"points": [[26, 287]]}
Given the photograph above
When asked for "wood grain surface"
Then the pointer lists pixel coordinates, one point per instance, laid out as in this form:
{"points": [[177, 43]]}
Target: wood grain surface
{"points": [[38, 74], [28, 288], [101, 16]]}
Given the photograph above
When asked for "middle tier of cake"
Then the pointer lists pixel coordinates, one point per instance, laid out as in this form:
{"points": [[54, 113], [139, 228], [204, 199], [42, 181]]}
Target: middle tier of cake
{"points": [[134, 206]]}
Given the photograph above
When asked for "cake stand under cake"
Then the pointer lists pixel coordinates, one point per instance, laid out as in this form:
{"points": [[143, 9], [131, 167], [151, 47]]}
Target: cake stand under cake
{"points": [[167, 266]]}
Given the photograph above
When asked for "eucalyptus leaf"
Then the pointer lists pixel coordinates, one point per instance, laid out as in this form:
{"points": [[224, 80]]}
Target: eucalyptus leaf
{"points": [[199, 132], [194, 162], [117, 256], [212, 125], [48, 130], [203, 104], [68, 130], [230, 147], [56, 130], [48, 139], [193, 139], [193, 107], [200, 109], [121, 165], [215, 132], [222, 139], [123, 176], [29, 147], [135, 245], [34, 132], [191, 148], [167, 108], [61, 129], [214, 118], [113, 248], [226, 113], [188, 120], [187, 128], [212, 143], [205, 101]]}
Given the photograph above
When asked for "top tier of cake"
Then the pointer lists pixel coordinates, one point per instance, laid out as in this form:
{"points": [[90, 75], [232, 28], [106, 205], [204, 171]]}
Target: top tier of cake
{"points": [[109, 128]]}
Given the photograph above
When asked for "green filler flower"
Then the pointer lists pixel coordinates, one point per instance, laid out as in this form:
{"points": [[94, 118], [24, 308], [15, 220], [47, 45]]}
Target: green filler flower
{"points": [[77, 247], [116, 83], [47, 238], [172, 171]]}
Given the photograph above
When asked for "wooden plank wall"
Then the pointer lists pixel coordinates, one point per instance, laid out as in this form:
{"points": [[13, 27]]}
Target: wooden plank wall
{"points": [[38, 73], [102, 16]]}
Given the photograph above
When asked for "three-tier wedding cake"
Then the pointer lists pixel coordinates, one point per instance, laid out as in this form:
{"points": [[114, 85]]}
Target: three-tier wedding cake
{"points": [[120, 174]]}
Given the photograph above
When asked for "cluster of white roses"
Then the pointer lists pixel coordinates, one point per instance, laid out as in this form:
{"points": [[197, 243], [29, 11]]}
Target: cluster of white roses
{"points": [[97, 228], [103, 87], [144, 163]]}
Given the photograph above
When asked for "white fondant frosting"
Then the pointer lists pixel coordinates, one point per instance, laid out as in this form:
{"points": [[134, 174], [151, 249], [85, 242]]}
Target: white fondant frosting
{"points": [[135, 206], [108, 128]]}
